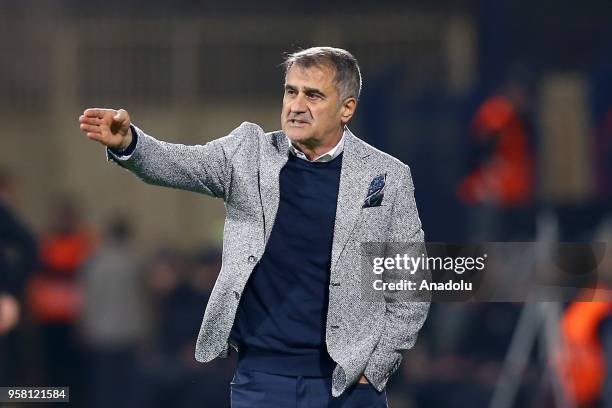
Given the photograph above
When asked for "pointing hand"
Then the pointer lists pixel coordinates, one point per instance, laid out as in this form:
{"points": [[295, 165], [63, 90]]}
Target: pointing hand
{"points": [[108, 126]]}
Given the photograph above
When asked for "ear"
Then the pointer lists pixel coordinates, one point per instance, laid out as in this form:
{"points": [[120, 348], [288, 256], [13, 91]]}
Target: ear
{"points": [[348, 109]]}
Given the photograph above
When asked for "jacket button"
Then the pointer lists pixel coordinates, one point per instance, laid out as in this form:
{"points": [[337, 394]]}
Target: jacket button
{"points": [[252, 259], [335, 327], [335, 284], [237, 295]]}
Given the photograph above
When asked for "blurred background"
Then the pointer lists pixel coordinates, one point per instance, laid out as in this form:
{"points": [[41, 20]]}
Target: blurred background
{"points": [[502, 109]]}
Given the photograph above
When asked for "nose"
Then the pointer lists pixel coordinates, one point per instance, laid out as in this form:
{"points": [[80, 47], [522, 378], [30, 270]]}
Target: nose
{"points": [[298, 105]]}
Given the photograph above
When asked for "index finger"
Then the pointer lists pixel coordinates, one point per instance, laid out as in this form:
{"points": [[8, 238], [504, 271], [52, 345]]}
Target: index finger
{"points": [[98, 113]]}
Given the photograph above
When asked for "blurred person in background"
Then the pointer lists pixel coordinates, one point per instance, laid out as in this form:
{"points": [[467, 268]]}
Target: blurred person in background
{"points": [[169, 374], [460, 363], [500, 185], [114, 322], [55, 296], [18, 258], [299, 201], [584, 361]]}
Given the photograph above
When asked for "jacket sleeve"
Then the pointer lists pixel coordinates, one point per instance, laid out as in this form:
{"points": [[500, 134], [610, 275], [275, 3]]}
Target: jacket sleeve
{"points": [[200, 168], [406, 313]]}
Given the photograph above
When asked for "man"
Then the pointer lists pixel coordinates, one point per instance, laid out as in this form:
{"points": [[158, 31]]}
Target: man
{"points": [[18, 258], [114, 316], [298, 204], [18, 254]]}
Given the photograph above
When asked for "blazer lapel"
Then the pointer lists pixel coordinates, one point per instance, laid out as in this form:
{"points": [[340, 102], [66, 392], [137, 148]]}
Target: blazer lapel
{"points": [[352, 177], [271, 162]]}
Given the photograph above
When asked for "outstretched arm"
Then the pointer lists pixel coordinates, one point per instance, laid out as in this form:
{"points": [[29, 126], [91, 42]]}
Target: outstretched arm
{"points": [[199, 168]]}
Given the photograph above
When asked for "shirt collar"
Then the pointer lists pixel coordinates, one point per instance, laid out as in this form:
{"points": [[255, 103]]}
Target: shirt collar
{"points": [[330, 155]]}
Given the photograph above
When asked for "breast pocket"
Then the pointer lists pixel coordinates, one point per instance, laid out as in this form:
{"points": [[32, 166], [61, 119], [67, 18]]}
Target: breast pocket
{"points": [[374, 223]]}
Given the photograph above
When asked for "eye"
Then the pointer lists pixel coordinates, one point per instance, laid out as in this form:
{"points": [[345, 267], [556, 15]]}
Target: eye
{"points": [[290, 91], [314, 96]]}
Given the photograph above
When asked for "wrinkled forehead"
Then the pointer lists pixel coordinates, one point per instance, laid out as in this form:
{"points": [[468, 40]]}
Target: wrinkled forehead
{"points": [[313, 75]]}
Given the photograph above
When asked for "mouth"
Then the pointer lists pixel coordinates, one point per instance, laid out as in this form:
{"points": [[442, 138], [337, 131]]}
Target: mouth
{"points": [[297, 123]]}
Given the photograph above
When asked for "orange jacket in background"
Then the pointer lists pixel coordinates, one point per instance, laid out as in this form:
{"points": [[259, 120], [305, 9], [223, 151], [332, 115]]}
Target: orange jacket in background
{"points": [[506, 178], [581, 362], [53, 293]]}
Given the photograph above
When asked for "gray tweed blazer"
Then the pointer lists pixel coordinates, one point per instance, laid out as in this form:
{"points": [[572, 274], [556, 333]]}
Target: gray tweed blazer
{"points": [[242, 168]]}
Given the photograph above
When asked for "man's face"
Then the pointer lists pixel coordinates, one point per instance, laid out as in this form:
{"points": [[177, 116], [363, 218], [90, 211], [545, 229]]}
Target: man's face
{"points": [[311, 113]]}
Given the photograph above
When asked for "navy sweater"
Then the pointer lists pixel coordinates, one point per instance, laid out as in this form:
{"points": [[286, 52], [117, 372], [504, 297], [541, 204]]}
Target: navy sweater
{"points": [[281, 319]]}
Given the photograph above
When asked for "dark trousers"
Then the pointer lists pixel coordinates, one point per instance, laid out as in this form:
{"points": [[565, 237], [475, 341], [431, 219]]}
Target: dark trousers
{"points": [[254, 389]]}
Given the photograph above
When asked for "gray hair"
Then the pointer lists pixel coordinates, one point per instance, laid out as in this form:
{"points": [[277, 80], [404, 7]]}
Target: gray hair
{"points": [[347, 74]]}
